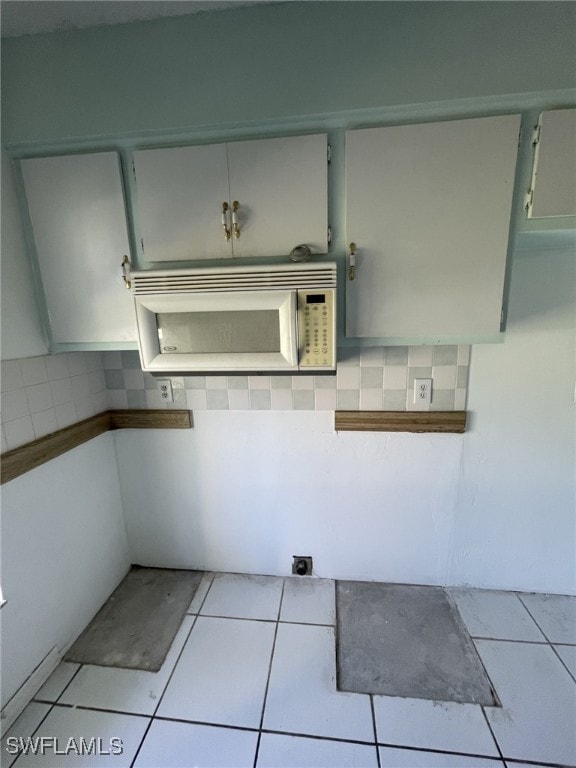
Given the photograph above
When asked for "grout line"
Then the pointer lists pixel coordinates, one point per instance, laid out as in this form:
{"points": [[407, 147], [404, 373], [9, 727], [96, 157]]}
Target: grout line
{"points": [[210, 574], [563, 662], [63, 691], [233, 618], [509, 640], [227, 726], [52, 705], [375, 731], [142, 740], [263, 621], [174, 667], [392, 746], [269, 673], [261, 730], [497, 701], [194, 620], [458, 618], [492, 732], [511, 761], [69, 683], [443, 752], [101, 709], [318, 738], [532, 617], [307, 623]]}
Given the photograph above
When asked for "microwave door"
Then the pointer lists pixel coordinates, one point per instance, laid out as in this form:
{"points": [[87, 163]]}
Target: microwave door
{"points": [[219, 332], [252, 331]]}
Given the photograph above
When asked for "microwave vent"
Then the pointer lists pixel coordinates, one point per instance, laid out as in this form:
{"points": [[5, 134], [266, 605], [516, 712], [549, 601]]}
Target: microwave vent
{"points": [[241, 278]]}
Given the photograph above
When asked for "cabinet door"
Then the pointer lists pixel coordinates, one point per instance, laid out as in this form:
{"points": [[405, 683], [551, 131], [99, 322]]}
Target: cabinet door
{"points": [[180, 193], [281, 186], [77, 211], [554, 171], [428, 207]]}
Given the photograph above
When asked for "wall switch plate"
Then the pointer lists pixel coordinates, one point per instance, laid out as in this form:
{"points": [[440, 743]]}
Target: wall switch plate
{"points": [[165, 390], [422, 392]]}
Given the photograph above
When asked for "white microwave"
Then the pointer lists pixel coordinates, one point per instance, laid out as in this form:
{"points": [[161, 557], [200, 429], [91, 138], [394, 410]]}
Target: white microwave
{"points": [[239, 319]]}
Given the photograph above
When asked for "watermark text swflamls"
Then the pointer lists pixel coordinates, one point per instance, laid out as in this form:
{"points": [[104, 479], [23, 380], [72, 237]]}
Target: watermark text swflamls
{"points": [[44, 745]]}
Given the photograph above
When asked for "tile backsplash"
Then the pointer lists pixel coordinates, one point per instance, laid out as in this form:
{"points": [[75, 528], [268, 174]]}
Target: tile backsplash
{"points": [[372, 379], [43, 394]]}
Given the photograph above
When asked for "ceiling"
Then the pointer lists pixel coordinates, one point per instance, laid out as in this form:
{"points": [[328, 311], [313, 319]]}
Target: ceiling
{"points": [[29, 17]]}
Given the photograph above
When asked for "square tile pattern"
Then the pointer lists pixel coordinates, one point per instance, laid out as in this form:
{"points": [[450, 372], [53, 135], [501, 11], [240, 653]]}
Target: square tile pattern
{"points": [[371, 379], [42, 394], [251, 681]]}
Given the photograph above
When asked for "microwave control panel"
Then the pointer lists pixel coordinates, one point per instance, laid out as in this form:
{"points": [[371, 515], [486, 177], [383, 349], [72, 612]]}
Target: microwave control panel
{"points": [[317, 328]]}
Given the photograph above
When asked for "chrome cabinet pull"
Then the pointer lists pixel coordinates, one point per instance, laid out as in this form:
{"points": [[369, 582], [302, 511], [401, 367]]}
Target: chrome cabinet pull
{"points": [[224, 221], [235, 228]]}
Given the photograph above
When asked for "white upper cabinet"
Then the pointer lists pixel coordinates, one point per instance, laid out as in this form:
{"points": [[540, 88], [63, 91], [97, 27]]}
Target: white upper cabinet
{"points": [[180, 196], [553, 188], [428, 207], [77, 211], [274, 192], [282, 190]]}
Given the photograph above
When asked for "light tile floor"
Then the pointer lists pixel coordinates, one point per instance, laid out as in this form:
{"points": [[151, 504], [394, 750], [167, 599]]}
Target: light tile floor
{"points": [[250, 680]]}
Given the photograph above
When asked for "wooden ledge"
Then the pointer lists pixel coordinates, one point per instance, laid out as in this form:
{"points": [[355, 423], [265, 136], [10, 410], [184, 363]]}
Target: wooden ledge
{"points": [[150, 419], [26, 457], [400, 421]]}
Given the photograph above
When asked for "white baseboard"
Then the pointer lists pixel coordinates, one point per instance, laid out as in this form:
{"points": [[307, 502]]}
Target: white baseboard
{"points": [[28, 689]]}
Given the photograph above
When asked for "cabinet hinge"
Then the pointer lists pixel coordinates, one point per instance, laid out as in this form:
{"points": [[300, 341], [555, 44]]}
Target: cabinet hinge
{"points": [[329, 153], [329, 235], [536, 135]]}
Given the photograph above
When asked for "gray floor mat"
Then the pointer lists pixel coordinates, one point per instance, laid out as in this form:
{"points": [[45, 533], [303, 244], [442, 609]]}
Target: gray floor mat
{"points": [[136, 625], [403, 640]]}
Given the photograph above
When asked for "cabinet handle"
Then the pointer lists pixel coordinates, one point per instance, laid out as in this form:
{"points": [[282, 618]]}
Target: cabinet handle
{"points": [[126, 267], [235, 228], [352, 261], [224, 221]]}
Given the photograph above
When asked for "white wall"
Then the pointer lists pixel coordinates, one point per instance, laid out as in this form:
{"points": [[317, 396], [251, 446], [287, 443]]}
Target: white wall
{"points": [[64, 550], [277, 62], [22, 334], [244, 491], [516, 525]]}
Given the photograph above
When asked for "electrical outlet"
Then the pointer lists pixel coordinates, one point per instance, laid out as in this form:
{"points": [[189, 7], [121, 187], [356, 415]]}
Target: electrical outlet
{"points": [[422, 392], [165, 390]]}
